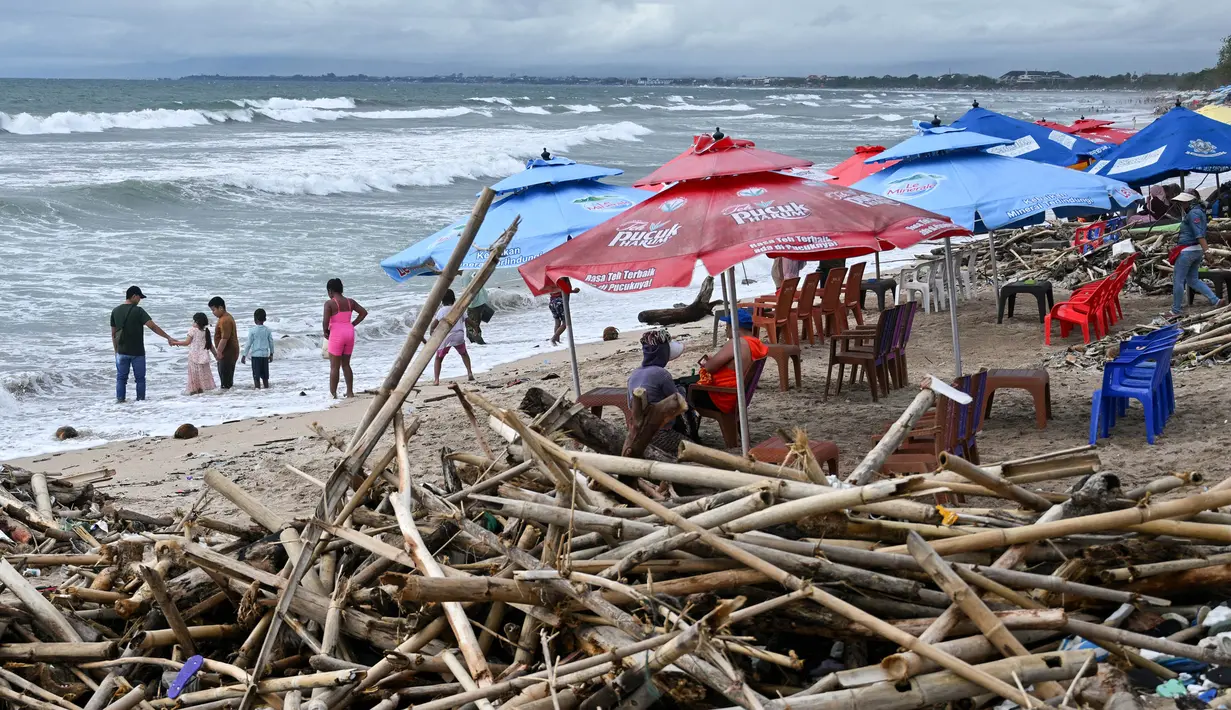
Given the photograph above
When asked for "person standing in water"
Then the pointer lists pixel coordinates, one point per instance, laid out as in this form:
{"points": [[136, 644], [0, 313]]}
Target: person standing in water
{"points": [[478, 312], [339, 330], [226, 342], [128, 342]]}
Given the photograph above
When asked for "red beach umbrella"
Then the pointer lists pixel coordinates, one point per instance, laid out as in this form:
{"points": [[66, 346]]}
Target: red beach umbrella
{"points": [[717, 154], [1100, 131], [854, 169], [726, 220], [1055, 126]]}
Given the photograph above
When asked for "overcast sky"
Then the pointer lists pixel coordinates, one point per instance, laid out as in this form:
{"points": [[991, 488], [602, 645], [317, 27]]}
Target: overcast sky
{"points": [[139, 38]]}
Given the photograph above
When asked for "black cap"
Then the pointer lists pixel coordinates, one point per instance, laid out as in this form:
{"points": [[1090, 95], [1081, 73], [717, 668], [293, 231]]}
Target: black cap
{"points": [[134, 291]]}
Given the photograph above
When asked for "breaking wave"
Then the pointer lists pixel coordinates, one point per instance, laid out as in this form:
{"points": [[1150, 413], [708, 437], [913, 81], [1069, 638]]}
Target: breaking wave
{"points": [[152, 119], [279, 102], [582, 108], [475, 165], [536, 110]]}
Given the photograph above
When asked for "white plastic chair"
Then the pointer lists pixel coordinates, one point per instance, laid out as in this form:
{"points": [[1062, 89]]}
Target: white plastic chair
{"points": [[968, 262], [936, 280], [915, 279]]}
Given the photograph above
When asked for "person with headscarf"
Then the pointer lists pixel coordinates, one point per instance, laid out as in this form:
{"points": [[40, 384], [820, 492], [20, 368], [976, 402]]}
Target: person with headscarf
{"points": [[657, 349]]}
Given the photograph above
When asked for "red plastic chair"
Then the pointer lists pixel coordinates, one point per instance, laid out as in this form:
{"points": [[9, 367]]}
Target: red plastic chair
{"points": [[1089, 236], [774, 313], [1084, 309]]}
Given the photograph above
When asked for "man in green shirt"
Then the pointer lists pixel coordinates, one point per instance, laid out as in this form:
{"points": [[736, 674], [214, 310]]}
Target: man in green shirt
{"points": [[128, 321], [478, 312]]}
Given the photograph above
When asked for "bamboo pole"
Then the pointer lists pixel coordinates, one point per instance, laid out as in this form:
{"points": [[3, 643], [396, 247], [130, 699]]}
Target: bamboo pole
{"points": [[790, 581], [1134, 518], [970, 604], [45, 615], [427, 311], [57, 652], [426, 563], [993, 482], [892, 438], [172, 615]]}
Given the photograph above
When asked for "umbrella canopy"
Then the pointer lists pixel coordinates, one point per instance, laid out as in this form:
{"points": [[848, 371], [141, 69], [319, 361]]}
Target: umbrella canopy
{"points": [[1053, 125], [717, 154], [546, 170], [1030, 140], [725, 221], [938, 140], [1100, 131], [1218, 112], [1003, 192], [855, 168], [1178, 142], [550, 215]]}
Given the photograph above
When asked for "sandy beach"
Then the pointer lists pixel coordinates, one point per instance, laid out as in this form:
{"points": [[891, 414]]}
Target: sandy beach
{"points": [[159, 475]]}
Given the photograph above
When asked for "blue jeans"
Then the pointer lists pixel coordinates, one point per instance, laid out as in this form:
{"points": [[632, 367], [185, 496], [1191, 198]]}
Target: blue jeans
{"points": [[1187, 268], [122, 364]]}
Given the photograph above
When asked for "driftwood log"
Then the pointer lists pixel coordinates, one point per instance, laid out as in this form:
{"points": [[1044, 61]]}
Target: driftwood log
{"points": [[700, 307]]}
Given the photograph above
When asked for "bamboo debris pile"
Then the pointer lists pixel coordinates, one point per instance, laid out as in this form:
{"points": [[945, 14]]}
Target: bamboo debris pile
{"points": [[1045, 253], [43, 511], [543, 576]]}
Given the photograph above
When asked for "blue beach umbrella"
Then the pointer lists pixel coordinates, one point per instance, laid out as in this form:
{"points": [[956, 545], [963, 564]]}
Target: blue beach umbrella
{"points": [[546, 170], [981, 190], [937, 140], [550, 214], [1030, 140], [998, 192], [1178, 142]]}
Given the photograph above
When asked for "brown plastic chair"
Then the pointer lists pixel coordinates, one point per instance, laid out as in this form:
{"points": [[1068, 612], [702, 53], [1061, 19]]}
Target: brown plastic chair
{"points": [[1036, 382], [775, 315], [728, 422], [787, 356], [825, 316], [853, 349], [804, 306], [850, 295]]}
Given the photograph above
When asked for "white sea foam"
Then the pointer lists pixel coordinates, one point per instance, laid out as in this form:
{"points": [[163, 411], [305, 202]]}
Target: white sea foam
{"points": [[278, 102], [582, 108], [146, 119], [708, 107], [883, 116], [534, 110], [430, 161], [802, 98], [492, 100]]}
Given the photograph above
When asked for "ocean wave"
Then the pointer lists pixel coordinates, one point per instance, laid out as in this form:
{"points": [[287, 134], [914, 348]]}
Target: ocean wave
{"points": [[793, 97], [26, 385], [501, 300], [710, 107], [145, 119], [492, 100], [882, 116], [443, 172], [536, 110], [152, 119], [278, 102], [582, 108]]}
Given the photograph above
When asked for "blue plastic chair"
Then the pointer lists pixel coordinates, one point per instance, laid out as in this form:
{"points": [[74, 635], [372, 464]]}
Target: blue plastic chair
{"points": [[1142, 372]]}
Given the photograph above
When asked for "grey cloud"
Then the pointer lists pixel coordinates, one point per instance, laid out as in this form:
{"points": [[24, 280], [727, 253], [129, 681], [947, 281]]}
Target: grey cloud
{"points": [[86, 37]]}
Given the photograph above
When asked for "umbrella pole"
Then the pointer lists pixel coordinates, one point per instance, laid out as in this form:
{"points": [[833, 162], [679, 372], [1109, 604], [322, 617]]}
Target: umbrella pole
{"points": [[878, 266], [949, 279], [733, 314], [572, 345], [991, 242]]}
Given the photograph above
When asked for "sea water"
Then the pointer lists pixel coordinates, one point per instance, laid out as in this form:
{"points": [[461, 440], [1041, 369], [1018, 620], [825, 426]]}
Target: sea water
{"points": [[259, 192]]}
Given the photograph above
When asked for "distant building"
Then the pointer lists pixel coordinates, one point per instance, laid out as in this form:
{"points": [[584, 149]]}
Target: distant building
{"points": [[1028, 77], [645, 81]]}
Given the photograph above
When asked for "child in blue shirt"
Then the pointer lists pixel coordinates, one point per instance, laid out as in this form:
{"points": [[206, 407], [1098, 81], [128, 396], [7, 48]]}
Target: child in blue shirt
{"points": [[260, 348]]}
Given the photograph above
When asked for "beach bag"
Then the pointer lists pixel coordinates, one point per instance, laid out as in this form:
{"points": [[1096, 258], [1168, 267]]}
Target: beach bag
{"points": [[325, 349], [1174, 254]]}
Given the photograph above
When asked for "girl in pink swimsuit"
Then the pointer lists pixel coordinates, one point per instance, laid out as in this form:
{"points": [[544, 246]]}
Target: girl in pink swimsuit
{"points": [[339, 330]]}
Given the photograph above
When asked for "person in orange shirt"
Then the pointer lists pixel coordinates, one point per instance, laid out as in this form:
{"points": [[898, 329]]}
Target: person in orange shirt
{"points": [[226, 343], [719, 369]]}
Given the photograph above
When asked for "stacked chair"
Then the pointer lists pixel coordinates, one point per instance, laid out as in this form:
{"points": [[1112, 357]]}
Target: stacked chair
{"points": [[1093, 307], [950, 427], [1142, 371], [876, 352]]}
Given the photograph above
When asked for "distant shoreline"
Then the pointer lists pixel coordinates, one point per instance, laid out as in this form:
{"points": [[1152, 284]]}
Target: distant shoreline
{"points": [[947, 82]]}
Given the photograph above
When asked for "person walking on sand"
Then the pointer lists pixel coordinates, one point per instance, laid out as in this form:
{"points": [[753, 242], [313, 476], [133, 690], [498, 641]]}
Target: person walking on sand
{"points": [[200, 347], [128, 342], [260, 347], [339, 330], [455, 339], [226, 343], [1192, 246]]}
